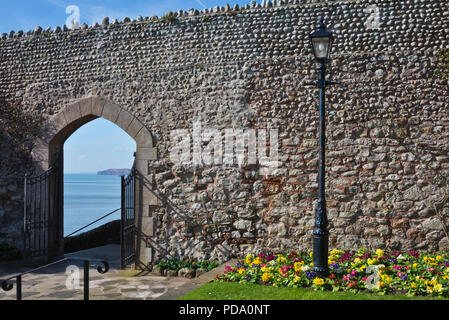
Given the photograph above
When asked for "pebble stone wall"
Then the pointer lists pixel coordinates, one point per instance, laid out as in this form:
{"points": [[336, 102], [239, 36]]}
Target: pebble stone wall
{"points": [[244, 68]]}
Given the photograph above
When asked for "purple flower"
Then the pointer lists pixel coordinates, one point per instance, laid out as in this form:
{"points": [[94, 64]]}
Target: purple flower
{"points": [[311, 275], [334, 265], [403, 276]]}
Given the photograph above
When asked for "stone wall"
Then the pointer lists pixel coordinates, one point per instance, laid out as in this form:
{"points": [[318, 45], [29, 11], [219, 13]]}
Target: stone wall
{"points": [[387, 134]]}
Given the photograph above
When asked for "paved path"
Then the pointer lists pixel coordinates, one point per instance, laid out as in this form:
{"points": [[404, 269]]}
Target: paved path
{"points": [[51, 283]]}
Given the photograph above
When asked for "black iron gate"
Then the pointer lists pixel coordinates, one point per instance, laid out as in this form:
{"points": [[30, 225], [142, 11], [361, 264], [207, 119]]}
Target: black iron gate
{"points": [[128, 229], [42, 208]]}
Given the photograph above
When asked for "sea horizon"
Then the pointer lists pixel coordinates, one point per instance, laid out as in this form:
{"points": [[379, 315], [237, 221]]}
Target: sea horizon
{"points": [[89, 196]]}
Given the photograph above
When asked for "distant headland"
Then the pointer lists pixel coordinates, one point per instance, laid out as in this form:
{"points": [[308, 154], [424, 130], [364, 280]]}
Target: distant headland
{"points": [[114, 172]]}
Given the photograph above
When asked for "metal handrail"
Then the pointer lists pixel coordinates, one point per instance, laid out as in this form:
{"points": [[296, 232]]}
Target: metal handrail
{"points": [[7, 285], [105, 216]]}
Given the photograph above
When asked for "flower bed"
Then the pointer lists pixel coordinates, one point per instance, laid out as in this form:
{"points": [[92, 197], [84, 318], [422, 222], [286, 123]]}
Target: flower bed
{"points": [[411, 273]]}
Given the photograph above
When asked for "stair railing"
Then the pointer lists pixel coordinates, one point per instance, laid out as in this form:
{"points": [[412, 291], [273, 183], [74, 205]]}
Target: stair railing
{"points": [[7, 284]]}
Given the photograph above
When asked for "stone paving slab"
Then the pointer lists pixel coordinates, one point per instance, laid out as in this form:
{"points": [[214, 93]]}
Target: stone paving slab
{"points": [[116, 284]]}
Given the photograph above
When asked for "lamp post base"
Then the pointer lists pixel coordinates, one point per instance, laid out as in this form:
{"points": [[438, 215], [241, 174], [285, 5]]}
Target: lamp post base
{"points": [[320, 252]]}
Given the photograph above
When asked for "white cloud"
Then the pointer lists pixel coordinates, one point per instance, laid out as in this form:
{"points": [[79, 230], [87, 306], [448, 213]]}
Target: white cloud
{"points": [[201, 3]]}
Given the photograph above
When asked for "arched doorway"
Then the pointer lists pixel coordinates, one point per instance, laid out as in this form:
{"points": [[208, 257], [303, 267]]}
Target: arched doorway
{"points": [[48, 152], [95, 156]]}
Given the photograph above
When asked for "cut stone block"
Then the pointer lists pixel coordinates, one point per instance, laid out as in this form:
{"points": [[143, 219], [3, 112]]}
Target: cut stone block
{"points": [[146, 154], [72, 112], [111, 111], [144, 139], [134, 127], [86, 107], [97, 106], [59, 122], [124, 119]]}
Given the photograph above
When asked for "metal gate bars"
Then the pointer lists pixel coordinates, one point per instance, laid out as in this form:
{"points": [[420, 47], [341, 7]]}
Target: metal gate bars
{"points": [[42, 210], [127, 226]]}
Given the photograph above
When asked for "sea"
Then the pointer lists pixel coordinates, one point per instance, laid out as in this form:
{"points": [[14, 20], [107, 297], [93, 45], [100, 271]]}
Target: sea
{"points": [[88, 197]]}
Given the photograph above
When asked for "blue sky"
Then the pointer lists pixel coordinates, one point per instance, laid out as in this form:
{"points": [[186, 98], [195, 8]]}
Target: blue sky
{"points": [[27, 14], [99, 144]]}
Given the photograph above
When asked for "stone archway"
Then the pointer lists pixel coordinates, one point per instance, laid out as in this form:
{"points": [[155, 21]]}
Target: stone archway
{"points": [[74, 115]]}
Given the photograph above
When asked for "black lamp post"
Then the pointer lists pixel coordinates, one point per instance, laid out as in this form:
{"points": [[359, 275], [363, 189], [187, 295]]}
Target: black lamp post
{"points": [[321, 41]]}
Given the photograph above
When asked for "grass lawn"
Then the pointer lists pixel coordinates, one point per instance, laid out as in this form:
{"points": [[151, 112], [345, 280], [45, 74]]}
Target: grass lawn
{"points": [[250, 291]]}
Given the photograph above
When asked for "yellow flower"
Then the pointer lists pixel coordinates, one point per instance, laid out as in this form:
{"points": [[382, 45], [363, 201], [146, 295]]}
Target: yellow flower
{"points": [[363, 267], [386, 278], [372, 261], [380, 285], [413, 285], [433, 282], [414, 265], [242, 271], [266, 277], [266, 269], [311, 253], [257, 261], [357, 260], [318, 281], [438, 287], [379, 253], [249, 259], [298, 266], [438, 257], [296, 279], [281, 259], [335, 251]]}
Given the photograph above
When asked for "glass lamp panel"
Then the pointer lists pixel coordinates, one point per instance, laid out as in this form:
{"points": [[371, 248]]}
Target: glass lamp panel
{"points": [[321, 47]]}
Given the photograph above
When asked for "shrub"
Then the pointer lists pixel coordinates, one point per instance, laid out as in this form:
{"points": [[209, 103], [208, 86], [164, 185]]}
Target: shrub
{"points": [[176, 264]]}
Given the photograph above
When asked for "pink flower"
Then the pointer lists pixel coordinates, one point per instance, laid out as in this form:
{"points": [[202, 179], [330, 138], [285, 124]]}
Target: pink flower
{"points": [[353, 273], [346, 278]]}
